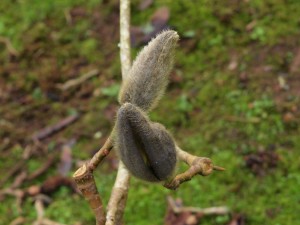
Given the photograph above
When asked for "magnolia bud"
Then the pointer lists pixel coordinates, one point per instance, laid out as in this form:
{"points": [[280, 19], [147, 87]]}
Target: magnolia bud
{"points": [[148, 76], [145, 148]]}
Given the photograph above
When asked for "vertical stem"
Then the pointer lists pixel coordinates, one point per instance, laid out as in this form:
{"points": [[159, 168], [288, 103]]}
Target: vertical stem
{"points": [[125, 37], [117, 201]]}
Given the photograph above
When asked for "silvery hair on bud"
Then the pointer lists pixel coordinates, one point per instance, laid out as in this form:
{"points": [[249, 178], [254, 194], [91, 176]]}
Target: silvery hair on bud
{"points": [[148, 76], [145, 148]]}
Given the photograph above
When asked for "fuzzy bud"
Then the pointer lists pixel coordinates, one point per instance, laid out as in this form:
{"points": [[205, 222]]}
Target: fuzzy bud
{"points": [[145, 148], [148, 76]]}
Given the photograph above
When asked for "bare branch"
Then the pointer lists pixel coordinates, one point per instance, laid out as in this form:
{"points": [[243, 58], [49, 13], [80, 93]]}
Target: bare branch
{"points": [[198, 166], [100, 155], [9, 46], [77, 81], [221, 210], [85, 182]]}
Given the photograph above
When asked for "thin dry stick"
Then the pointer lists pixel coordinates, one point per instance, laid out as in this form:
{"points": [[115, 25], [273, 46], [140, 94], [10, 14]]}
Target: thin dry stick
{"points": [[77, 81], [117, 201], [100, 155], [9, 46], [221, 210], [198, 166]]}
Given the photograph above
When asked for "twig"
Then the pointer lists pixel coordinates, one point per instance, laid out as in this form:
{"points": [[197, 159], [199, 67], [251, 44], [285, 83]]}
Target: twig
{"points": [[18, 221], [79, 80], [42, 134], [198, 165], [13, 171], [243, 120], [19, 179], [9, 46], [85, 182], [46, 221], [39, 207], [18, 193], [205, 211], [100, 155]]}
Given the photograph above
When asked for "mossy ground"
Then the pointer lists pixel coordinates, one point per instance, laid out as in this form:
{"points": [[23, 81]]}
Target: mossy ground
{"points": [[213, 109]]}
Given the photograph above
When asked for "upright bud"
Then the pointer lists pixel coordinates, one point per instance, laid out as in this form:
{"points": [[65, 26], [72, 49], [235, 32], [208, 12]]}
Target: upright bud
{"points": [[148, 77]]}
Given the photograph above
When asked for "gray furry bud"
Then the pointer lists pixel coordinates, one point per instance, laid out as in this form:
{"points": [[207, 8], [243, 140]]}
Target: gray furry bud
{"points": [[145, 148], [148, 76]]}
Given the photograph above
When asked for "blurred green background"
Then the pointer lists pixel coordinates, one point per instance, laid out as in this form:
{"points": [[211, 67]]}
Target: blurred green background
{"points": [[234, 96]]}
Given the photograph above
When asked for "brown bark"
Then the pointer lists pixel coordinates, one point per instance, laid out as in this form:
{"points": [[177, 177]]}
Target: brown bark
{"points": [[85, 181]]}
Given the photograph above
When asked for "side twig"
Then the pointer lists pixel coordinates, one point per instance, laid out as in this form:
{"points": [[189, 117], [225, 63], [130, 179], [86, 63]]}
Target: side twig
{"points": [[100, 155], [178, 208], [85, 181], [198, 165], [9, 46]]}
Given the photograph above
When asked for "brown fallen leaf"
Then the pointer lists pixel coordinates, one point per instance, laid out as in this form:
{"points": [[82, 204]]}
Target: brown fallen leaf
{"points": [[144, 4], [159, 22], [160, 17]]}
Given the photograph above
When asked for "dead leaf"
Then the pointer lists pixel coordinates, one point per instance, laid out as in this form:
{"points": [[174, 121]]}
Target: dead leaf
{"points": [[261, 162], [159, 22], [160, 18], [144, 4]]}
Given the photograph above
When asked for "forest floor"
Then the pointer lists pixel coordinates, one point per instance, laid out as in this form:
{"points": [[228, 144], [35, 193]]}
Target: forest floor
{"points": [[234, 96]]}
